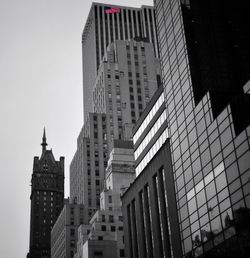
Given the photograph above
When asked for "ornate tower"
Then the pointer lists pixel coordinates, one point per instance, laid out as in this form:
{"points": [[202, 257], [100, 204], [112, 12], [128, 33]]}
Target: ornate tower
{"points": [[47, 197]]}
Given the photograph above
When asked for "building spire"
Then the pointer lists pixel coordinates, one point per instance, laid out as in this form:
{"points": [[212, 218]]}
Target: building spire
{"points": [[44, 143]]}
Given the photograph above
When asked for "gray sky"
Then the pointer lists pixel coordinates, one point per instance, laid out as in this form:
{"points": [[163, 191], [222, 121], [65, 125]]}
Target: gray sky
{"points": [[40, 85]]}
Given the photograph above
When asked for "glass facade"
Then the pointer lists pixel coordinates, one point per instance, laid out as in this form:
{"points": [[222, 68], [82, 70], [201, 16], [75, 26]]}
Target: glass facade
{"points": [[151, 134], [148, 118], [211, 161]]}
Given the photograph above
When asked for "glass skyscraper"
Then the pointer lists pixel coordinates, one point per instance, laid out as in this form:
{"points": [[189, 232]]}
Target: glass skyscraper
{"points": [[205, 57]]}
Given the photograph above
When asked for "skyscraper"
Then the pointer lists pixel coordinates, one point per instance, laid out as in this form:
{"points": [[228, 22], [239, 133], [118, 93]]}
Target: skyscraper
{"points": [[126, 81], [205, 55], [105, 24], [47, 197]]}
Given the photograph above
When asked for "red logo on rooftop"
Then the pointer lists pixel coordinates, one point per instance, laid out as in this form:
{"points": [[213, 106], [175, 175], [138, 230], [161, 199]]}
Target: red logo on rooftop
{"points": [[109, 10]]}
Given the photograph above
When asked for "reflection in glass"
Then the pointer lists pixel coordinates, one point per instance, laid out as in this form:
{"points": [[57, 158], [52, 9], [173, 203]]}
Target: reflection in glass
{"points": [[204, 220], [203, 210], [213, 211], [218, 239], [212, 203], [206, 233], [227, 218], [190, 194], [199, 186], [216, 225], [209, 178], [224, 205], [196, 239], [219, 169]]}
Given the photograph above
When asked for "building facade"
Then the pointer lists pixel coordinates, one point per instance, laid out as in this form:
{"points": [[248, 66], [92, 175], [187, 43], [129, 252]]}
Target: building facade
{"points": [[106, 225], [47, 195], [126, 81], [151, 226], [87, 168], [104, 249], [105, 24], [205, 72], [65, 230]]}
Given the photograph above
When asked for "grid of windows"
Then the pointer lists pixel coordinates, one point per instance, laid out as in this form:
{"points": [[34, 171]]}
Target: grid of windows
{"points": [[209, 202], [147, 214]]}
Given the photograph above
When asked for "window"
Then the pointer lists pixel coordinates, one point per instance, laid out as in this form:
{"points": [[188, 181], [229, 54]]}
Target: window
{"points": [[122, 253], [72, 243], [112, 228], [104, 228], [111, 218], [98, 253], [110, 199]]}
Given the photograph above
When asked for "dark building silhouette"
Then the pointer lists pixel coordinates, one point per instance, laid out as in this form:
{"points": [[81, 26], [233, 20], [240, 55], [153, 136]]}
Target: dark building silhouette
{"points": [[47, 199]]}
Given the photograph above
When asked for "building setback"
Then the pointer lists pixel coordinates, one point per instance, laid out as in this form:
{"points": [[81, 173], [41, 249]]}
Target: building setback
{"points": [[65, 230], [106, 225], [126, 81], [205, 57], [105, 24], [47, 193]]}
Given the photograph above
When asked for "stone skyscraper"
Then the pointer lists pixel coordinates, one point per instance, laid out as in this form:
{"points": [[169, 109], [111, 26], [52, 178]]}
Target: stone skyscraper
{"points": [[47, 198], [105, 24]]}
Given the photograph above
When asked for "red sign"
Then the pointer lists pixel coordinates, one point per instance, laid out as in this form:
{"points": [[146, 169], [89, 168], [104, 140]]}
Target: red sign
{"points": [[113, 10]]}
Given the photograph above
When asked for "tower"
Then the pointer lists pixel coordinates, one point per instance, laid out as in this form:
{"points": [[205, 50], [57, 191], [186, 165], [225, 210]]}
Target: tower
{"points": [[105, 24], [126, 81], [47, 198]]}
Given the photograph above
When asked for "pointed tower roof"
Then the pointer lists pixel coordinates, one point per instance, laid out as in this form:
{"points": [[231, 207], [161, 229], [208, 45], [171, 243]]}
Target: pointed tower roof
{"points": [[44, 143]]}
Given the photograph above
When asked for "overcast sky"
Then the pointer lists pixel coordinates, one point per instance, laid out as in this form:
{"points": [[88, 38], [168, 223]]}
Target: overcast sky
{"points": [[40, 85]]}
